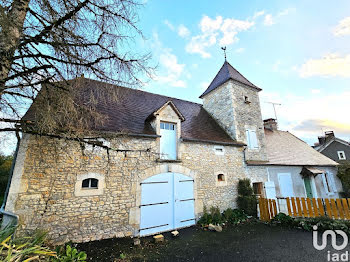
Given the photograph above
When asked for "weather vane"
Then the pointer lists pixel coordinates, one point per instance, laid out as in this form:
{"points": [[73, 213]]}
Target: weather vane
{"points": [[224, 48]]}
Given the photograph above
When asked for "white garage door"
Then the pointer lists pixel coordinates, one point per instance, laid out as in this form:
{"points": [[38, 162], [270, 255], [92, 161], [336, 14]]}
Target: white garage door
{"points": [[167, 202]]}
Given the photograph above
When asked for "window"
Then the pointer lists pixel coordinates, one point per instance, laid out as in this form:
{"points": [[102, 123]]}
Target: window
{"points": [[252, 140], [167, 126], [168, 141], [221, 177], [219, 150], [258, 188], [329, 183], [90, 183], [246, 100], [341, 155]]}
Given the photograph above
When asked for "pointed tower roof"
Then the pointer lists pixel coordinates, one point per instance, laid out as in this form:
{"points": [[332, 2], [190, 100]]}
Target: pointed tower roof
{"points": [[226, 73]]}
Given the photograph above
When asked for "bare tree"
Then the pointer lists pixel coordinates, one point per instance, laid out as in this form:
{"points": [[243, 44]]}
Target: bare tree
{"points": [[45, 43]]}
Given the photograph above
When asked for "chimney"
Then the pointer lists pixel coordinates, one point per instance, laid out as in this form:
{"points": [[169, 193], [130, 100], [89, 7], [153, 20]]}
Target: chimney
{"points": [[270, 123], [328, 135]]}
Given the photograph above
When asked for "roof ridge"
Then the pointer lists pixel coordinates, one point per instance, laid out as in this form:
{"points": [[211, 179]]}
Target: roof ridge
{"points": [[138, 90]]}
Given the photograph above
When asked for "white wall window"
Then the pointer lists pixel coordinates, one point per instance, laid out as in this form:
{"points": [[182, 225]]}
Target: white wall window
{"points": [[341, 155], [221, 178], [90, 183], [252, 140], [168, 147], [219, 150], [329, 183]]}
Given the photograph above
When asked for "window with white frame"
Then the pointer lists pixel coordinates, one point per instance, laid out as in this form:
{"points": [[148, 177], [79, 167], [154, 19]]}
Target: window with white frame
{"points": [[219, 150], [252, 140], [341, 155], [329, 183]]}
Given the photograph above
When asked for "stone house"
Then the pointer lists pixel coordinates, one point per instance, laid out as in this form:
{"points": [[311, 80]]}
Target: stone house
{"points": [[173, 158], [295, 169], [333, 147]]}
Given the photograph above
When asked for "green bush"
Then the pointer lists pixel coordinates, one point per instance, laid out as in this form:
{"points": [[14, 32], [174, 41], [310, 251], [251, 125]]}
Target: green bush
{"points": [[215, 213], [234, 216], [230, 216], [322, 223], [344, 176], [246, 199], [206, 218], [283, 219], [69, 254]]}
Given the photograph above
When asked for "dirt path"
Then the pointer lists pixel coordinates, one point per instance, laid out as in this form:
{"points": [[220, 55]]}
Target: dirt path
{"points": [[248, 242]]}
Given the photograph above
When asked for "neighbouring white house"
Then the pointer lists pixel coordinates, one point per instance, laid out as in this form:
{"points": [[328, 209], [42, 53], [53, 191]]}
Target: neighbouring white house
{"points": [[295, 169]]}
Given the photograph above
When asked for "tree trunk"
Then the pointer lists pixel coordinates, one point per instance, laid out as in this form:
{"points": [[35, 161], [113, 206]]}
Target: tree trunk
{"points": [[12, 28]]}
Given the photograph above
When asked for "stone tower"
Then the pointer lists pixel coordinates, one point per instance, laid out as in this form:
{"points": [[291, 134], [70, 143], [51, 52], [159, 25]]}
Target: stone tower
{"points": [[233, 101]]}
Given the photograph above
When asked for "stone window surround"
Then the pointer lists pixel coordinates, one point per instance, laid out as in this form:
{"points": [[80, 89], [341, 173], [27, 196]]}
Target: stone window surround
{"points": [[220, 183], [80, 191], [219, 150]]}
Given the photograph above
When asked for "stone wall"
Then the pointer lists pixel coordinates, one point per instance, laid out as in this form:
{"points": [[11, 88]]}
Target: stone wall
{"points": [[227, 104], [44, 189]]}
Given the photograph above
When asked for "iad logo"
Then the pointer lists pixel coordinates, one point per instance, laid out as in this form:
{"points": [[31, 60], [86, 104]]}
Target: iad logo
{"points": [[331, 256]]}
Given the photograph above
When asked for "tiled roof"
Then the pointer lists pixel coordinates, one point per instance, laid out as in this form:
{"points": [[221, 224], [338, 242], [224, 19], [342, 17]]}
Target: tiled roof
{"points": [[283, 148], [228, 72], [130, 112]]}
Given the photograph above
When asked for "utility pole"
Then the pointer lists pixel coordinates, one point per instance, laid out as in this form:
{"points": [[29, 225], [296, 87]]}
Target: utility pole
{"points": [[274, 107]]}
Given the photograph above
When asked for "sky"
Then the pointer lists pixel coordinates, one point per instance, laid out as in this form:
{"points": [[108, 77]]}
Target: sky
{"points": [[298, 52]]}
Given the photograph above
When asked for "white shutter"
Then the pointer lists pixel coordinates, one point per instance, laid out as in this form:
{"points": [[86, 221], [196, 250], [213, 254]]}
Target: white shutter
{"points": [[253, 139], [248, 138], [324, 183], [332, 181]]}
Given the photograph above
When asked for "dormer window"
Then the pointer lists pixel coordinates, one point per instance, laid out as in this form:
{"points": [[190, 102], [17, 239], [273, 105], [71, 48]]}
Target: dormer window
{"points": [[90, 183]]}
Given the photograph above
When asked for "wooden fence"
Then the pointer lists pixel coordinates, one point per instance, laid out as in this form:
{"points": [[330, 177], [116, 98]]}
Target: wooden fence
{"points": [[306, 207]]}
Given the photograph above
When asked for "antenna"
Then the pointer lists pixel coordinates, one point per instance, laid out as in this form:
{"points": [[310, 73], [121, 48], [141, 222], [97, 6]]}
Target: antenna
{"points": [[274, 108], [224, 49]]}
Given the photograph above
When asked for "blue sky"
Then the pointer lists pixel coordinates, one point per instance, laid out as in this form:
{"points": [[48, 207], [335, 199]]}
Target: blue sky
{"points": [[298, 52]]}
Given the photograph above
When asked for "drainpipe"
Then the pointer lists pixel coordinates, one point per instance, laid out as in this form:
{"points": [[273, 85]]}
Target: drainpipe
{"points": [[9, 217]]}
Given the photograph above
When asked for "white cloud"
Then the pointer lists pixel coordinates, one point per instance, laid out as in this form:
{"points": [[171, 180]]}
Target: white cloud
{"points": [[258, 14], [270, 20], [240, 50], [343, 28], [305, 115], [213, 31], [170, 25], [170, 70], [315, 91], [329, 65], [183, 31]]}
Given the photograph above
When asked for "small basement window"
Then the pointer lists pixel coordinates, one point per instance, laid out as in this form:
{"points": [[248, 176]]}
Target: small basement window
{"points": [[90, 183], [258, 188], [341, 155], [221, 177], [219, 150]]}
